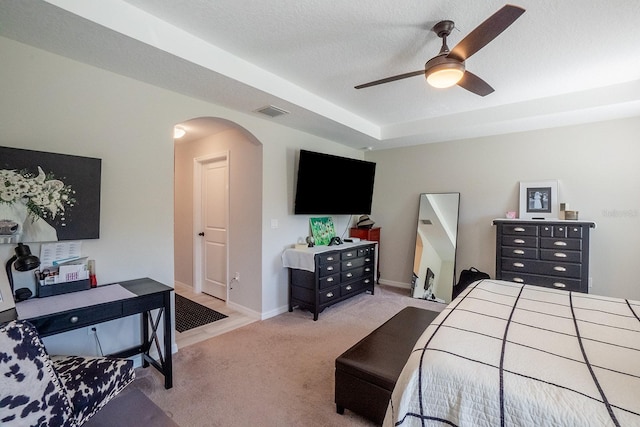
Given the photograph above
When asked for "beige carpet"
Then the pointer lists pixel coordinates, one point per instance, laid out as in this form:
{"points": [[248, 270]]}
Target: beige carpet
{"points": [[278, 372]]}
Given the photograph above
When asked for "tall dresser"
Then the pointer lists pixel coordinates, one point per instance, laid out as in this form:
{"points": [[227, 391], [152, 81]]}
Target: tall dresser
{"points": [[547, 253], [324, 275]]}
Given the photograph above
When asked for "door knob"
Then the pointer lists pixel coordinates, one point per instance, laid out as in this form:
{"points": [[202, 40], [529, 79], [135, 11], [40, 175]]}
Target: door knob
{"points": [[201, 234]]}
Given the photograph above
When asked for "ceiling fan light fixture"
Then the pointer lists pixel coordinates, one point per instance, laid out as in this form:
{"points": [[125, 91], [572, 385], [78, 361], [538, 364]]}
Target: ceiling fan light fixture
{"points": [[445, 75]]}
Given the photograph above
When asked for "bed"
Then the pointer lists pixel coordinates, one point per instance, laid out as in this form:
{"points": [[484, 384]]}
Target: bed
{"points": [[505, 354]]}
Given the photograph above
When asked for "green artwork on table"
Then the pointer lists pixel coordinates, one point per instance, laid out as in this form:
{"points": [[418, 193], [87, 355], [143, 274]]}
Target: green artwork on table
{"points": [[322, 230]]}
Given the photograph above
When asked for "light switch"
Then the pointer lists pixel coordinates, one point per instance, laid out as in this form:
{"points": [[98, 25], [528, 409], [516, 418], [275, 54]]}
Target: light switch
{"points": [[274, 223]]}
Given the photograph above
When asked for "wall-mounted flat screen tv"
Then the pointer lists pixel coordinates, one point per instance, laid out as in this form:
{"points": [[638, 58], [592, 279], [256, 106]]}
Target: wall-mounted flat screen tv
{"points": [[333, 185]]}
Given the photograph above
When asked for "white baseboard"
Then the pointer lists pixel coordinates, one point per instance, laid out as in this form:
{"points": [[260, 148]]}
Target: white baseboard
{"points": [[244, 310], [275, 312], [395, 284]]}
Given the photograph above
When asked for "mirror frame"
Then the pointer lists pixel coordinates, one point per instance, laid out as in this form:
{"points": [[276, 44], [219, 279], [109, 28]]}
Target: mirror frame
{"points": [[434, 281]]}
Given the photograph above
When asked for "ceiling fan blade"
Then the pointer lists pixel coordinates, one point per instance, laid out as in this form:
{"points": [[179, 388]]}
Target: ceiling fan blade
{"points": [[486, 32], [474, 84], [390, 79]]}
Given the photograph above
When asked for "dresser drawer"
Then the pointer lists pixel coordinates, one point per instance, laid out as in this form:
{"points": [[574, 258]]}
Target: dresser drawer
{"points": [[563, 244], [356, 285], [350, 288], [352, 263], [351, 254], [520, 229], [366, 251], [328, 257], [542, 267], [329, 295], [547, 282], [561, 255], [328, 269], [352, 274], [522, 252], [524, 241], [328, 281]]}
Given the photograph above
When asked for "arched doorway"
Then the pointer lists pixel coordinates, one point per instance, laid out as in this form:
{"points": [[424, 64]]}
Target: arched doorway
{"points": [[207, 137]]}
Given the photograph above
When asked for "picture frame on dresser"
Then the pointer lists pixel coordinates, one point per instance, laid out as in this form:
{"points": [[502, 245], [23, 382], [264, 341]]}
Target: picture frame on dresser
{"points": [[539, 199]]}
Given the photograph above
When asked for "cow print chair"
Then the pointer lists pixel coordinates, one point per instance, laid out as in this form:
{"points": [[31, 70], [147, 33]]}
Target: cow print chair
{"points": [[39, 390]]}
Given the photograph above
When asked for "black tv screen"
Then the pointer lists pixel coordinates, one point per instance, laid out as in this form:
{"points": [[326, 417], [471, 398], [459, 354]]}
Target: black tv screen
{"points": [[333, 185]]}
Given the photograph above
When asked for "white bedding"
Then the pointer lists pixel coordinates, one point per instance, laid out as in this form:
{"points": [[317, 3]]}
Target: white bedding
{"points": [[505, 354]]}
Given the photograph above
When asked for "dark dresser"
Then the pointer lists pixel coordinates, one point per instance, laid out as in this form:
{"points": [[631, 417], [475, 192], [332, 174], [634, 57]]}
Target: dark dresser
{"points": [[336, 273], [554, 254]]}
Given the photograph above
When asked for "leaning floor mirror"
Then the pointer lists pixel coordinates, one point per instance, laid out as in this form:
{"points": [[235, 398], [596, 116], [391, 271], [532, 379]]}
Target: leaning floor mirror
{"points": [[434, 261]]}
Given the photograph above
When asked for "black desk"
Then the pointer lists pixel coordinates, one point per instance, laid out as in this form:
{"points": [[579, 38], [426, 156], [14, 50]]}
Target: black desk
{"points": [[150, 295]]}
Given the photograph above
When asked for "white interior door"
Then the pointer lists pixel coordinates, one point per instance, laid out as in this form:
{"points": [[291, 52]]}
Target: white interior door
{"points": [[215, 223]]}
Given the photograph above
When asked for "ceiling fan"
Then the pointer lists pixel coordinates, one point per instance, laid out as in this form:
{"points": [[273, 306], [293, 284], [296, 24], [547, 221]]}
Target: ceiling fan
{"points": [[447, 68]]}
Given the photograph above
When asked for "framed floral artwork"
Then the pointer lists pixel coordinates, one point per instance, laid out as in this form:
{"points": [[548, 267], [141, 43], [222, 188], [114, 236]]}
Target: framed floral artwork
{"points": [[48, 197], [539, 199], [322, 230]]}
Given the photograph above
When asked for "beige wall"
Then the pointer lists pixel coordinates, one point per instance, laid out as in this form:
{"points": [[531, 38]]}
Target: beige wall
{"points": [[596, 165], [245, 211]]}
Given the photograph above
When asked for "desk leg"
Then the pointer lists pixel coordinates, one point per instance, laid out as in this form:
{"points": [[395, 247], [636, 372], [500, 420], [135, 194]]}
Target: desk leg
{"points": [[145, 337], [168, 368], [164, 363]]}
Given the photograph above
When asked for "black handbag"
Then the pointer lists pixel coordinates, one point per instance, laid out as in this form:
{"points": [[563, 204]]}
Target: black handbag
{"points": [[467, 277]]}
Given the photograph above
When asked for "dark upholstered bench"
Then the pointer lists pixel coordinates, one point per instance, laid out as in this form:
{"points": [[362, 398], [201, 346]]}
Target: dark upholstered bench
{"points": [[367, 373]]}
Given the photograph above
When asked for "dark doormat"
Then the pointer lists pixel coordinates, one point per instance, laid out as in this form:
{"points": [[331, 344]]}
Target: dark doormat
{"points": [[190, 314]]}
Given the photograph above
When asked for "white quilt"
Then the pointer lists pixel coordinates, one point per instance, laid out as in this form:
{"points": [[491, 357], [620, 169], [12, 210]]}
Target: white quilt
{"points": [[505, 354]]}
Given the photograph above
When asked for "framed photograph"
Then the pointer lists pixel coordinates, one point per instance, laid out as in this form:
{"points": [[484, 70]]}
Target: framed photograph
{"points": [[48, 197], [322, 230], [539, 199], [6, 298]]}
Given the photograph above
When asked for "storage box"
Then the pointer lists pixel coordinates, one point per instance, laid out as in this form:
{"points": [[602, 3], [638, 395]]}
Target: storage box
{"points": [[63, 288]]}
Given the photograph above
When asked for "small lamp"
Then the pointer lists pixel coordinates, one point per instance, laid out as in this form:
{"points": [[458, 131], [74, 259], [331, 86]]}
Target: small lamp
{"points": [[23, 260]]}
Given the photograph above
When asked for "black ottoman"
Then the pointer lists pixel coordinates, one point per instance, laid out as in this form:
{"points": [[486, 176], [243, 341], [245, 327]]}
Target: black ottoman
{"points": [[367, 373]]}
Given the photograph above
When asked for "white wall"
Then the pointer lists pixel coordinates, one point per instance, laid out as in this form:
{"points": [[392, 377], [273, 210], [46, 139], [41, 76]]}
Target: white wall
{"points": [[54, 104], [596, 164]]}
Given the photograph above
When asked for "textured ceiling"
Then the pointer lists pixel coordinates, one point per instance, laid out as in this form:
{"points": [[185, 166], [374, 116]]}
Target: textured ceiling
{"points": [[562, 62]]}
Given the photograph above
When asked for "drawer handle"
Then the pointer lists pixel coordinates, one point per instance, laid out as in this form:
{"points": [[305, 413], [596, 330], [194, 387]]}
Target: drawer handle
{"points": [[559, 268], [518, 280], [518, 251], [367, 281], [330, 279], [349, 254], [329, 258], [349, 264], [349, 275], [74, 319], [559, 285], [560, 255], [367, 259], [518, 241], [367, 269], [518, 264], [519, 230], [329, 268], [560, 243], [330, 294], [348, 288]]}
